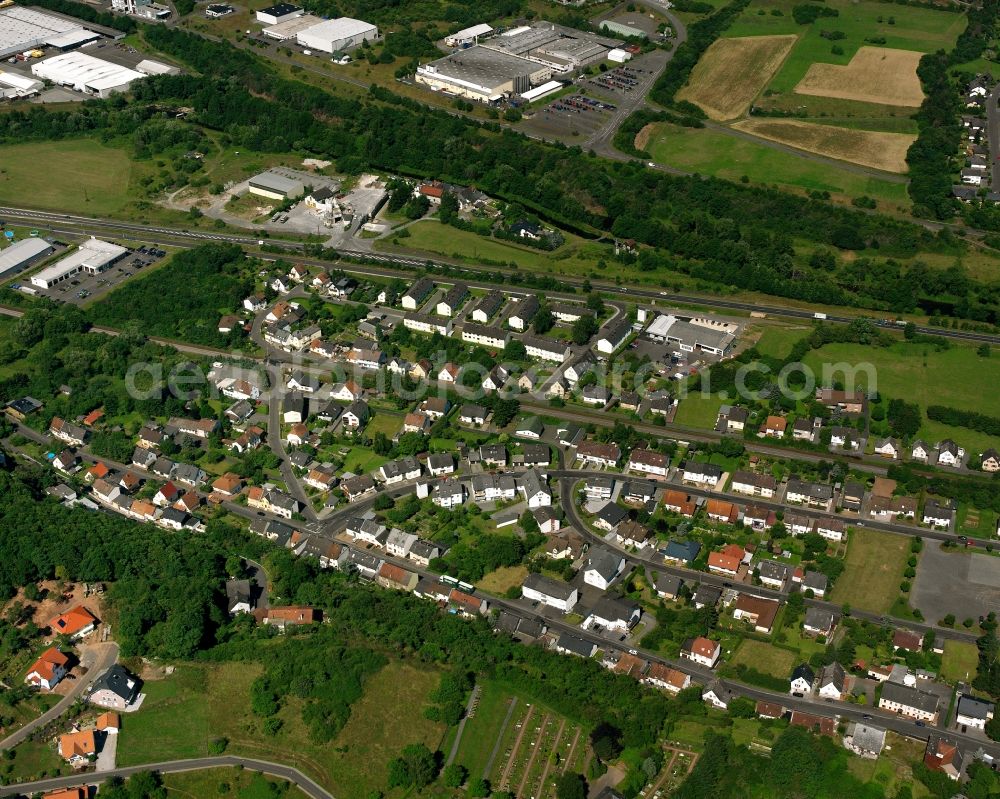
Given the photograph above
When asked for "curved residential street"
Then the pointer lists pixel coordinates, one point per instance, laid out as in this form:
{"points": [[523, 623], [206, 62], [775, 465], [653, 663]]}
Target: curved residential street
{"points": [[293, 775], [97, 659]]}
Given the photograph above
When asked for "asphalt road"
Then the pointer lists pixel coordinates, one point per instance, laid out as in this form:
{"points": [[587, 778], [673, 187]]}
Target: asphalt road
{"points": [[96, 664], [993, 135], [307, 785]]}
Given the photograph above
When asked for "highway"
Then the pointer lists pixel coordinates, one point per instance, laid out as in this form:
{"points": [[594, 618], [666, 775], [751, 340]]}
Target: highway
{"points": [[72, 224]]}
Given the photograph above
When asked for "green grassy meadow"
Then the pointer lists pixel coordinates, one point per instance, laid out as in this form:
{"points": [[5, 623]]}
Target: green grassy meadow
{"points": [[92, 177], [959, 661], [874, 570], [726, 156], [183, 713]]}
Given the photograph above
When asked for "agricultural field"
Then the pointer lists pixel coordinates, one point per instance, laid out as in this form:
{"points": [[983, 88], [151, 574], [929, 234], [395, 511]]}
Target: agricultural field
{"points": [[874, 569], [879, 150], [717, 153], [874, 75], [920, 30], [520, 746], [744, 65], [184, 712]]}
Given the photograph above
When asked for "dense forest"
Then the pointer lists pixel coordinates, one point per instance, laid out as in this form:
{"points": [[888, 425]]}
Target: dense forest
{"points": [[720, 233]]}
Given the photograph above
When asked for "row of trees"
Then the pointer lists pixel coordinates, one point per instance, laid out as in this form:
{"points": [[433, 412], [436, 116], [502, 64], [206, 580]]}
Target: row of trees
{"points": [[955, 417]]}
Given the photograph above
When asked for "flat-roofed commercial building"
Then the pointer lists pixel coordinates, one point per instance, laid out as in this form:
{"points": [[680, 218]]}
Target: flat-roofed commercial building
{"points": [[22, 255], [92, 257], [290, 28], [482, 74], [703, 334], [86, 74], [276, 187], [26, 28], [468, 36], [272, 15], [332, 35], [14, 86]]}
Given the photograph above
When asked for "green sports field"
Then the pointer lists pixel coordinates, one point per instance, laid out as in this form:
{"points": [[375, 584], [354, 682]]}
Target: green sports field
{"points": [[726, 156]]}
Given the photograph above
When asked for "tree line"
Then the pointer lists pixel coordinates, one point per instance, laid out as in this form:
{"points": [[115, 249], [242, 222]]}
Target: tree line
{"points": [[959, 418]]}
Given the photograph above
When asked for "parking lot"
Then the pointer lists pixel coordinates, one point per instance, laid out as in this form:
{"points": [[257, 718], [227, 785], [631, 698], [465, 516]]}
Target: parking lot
{"points": [[83, 288], [623, 80], [956, 582]]}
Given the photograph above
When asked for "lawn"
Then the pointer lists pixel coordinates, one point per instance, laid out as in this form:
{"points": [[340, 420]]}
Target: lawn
{"points": [[362, 460], [776, 340], [482, 729], [498, 581], [727, 156], [184, 712], [959, 661], [33, 760], [894, 768], [698, 411], [231, 782], [874, 569], [764, 657], [386, 423], [93, 178], [975, 522]]}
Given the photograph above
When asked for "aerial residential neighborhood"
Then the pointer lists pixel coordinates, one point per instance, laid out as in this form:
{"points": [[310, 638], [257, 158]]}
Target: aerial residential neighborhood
{"points": [[535, 400]]}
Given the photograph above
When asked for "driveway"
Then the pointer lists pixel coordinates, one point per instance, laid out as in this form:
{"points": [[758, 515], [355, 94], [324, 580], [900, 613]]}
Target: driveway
{"points": [[108, 756], [96, 659]]}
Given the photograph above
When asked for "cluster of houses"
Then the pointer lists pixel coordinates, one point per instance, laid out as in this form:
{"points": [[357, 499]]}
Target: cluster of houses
{"points": [[976, 172]]}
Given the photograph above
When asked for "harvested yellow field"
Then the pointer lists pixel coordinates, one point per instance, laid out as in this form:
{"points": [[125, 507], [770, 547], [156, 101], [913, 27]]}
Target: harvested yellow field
{"points": [[732, 72], [875, 75], [886, 151]]}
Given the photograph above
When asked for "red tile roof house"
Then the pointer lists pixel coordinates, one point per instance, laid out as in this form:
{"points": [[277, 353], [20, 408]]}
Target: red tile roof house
{"points": [[48, 670], [76, 623], [291, 616]]}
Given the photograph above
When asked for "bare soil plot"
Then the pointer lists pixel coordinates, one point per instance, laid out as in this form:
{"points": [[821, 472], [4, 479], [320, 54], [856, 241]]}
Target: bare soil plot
{"points": [[875, 75], [885, 151], [732, 72]]}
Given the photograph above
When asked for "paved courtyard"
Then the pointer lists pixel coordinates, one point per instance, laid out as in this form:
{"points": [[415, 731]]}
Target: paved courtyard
{"points": [[960, 583]]}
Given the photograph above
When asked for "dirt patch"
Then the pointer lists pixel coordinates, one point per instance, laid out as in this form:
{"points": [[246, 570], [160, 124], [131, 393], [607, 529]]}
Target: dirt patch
{"points": [[643, 136], [886, 151], [53, 602], [732, 72], [875, 75]]}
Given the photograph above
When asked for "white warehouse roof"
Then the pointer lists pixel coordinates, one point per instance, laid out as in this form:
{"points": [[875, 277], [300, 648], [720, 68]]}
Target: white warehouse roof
{"points": [[22, 82], [93, 254], [148, 67], [16, 256], [471, 33], [72, 38], [85, 73], [341, 28], [25, 28]]}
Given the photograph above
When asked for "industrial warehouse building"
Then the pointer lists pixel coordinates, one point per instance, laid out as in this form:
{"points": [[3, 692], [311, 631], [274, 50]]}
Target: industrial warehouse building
{"points": [[698, 333], [20, 256], [482, 74], [14, 86], [272, 15], [275, 186], [332, 35], [149, 67], [290, 28], [86, 74], [561, 49], [467, 36], [92, 257], [26, 28]]}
